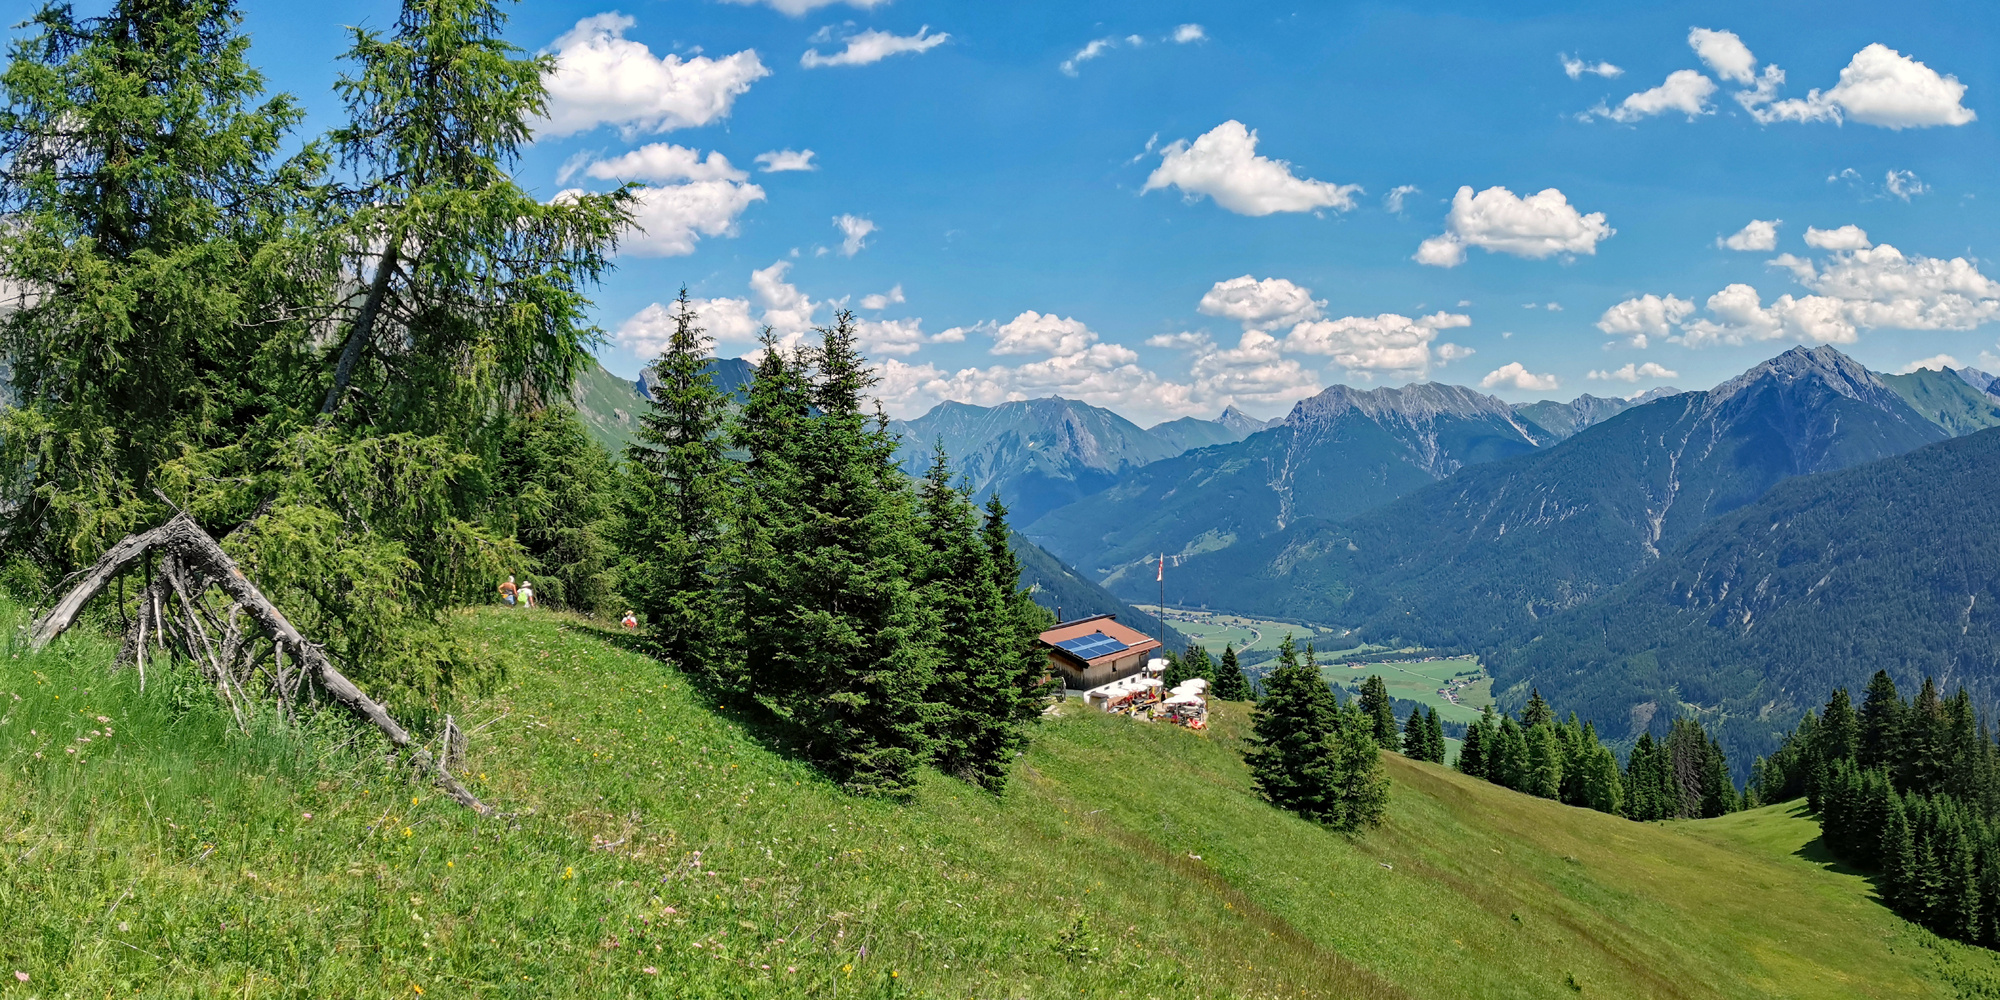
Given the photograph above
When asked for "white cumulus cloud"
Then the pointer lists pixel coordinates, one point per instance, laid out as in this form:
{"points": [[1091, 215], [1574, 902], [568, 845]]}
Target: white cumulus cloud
{"points": [[1632, 372], [1759, 234], [1936, 362], [1260, 305], [1223, 164], [1879, 86], [1648, 316], [1904, 184], [883, 300], [1684, 90], [799, 8], [1724, 54], [664, 163], [1848, 237], [1514, 375], [668, 220], [781, 160], [1541, 225], [873, 46], [1577, 67], [1189, 33], [603, 78], [854, 232], [1388, 344], [1034, 333]]}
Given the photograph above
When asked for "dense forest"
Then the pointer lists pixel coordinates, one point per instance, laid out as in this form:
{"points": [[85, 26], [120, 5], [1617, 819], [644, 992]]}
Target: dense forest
{"points": [[1909, 789]]}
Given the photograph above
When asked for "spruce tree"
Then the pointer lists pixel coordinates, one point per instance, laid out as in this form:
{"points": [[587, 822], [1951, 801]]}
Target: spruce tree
{"points": [[1475, 757], [676, 506], [766, 522], [1537, 711], [1508, 763], [970, 693], [1289, 753], [1718, 791], [1434, 745], [1416, 737], [1881, 723], [1380, 710], [1602, 789], [855, 632], [1361, 784], [1230, 684], [1543, 774], [1025, 620]]}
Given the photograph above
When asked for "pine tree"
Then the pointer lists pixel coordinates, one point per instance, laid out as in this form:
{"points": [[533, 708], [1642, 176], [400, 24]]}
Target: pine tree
{"points": [[767, 519], [856, 632], [1434, 745], [1542, 776], [1475, 757], [1881, 723], [1416, 737], [675, 509], [1230, 684], [1290, 726], [1379, 709], [1536, 712]]}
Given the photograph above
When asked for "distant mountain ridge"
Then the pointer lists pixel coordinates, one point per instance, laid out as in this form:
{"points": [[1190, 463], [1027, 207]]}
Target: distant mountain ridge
{"points": [[1892, 565], [1336, 454], [1502, 544], [1565, 419]]}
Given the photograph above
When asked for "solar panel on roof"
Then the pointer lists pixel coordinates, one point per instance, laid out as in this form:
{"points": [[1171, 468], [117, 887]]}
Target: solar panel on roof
{"points": [[1092, 646]]}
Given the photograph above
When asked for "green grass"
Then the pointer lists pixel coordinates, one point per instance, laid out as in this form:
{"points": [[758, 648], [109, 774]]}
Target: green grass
{"points": [[1420, 681], [1214, 630], [172, 858]]}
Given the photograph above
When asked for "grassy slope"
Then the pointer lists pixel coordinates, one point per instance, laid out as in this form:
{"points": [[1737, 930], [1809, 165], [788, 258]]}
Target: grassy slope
{"points": [[170, 859]]}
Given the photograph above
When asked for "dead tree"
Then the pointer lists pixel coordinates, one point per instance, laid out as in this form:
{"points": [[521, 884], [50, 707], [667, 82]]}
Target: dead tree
{"points": [[175, 614]]}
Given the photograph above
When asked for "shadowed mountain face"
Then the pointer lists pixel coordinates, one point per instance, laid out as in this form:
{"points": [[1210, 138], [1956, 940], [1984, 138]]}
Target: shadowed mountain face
{"points": [[1336, 454], [1893, 565], [1563, 420], [1039, 453], [1500, 545]]}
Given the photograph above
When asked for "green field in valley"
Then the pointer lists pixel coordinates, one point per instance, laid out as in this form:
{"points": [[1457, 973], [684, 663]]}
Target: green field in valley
{"points": [[1215, 630], [1420, 681], [651, 846]]}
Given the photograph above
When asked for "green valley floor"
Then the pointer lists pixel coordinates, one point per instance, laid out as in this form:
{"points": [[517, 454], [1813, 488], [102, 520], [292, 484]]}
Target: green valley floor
{"points": [[653, 847]]}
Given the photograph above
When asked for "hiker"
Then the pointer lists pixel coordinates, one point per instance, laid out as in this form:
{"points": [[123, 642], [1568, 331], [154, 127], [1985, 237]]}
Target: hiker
{"points": [[507, 591], [630, 620], [527, 593]]}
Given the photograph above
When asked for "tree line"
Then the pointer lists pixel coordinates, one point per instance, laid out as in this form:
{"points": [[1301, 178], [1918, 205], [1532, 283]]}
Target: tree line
{"points": [[1684, 776], [781, 555], [1907, 788]]}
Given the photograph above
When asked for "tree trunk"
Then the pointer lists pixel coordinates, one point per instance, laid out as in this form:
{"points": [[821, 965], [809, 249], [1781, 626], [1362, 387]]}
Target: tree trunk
{"points": [[359, 335]]}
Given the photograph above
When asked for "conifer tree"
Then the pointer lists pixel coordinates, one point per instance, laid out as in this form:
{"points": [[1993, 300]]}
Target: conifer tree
{"points": [[1475, 757], [1434, 745], [1196, 663], [1542, 776], [1602, 789], [768, 494], [1024, 620], [1881, 722], [1416, 737], [857, 635], [1537, 711], [1718, 791], [1507, 762], [1380, 710], [1230, 684], [1311, 755], [675, 509]]}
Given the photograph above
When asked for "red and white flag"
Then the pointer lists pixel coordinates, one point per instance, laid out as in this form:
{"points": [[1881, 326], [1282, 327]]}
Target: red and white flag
{"points": [[1161, 576]]}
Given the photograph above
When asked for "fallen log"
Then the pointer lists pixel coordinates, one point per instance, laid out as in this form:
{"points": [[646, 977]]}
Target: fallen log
{"points": [[185, 546]]}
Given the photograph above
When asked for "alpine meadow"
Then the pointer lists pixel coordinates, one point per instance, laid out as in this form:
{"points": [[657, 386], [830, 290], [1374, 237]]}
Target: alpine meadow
{"points": [[887, 498]]}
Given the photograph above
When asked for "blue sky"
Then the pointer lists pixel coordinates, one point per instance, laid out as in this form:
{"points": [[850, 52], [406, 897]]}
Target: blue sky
{"points": [[1303, 224]]}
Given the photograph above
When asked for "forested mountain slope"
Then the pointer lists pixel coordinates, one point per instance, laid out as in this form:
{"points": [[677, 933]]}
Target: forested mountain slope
{"points": [[1948, 399], [1893, 565], [1038, 453], [1338, 453], [651, 845], [1070, 595], [1498, 546]]}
